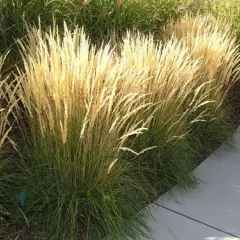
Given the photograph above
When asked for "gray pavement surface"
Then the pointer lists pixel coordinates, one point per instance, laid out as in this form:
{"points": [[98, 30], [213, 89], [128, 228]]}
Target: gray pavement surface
{"points": [[211, 210]]}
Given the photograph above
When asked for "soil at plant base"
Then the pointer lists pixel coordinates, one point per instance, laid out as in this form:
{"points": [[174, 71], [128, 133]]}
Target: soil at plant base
{"points": [[12, 231]]}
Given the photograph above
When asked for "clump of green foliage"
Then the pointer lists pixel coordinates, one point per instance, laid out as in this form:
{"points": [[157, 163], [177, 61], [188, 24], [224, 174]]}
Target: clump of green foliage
{"points": [[74, 123], [214, 45], [102, 20], [99, 130]]}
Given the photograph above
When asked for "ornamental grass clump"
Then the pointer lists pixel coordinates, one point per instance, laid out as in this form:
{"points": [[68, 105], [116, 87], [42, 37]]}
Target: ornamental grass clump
{"points": [[213, 44], [171, 83], [99, 132], [75, 125]]}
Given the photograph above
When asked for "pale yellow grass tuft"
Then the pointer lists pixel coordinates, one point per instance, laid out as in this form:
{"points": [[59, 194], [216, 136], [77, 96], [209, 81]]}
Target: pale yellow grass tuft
{"points": [[211, 42], [196, 25], [71, 92], [171, 77]]}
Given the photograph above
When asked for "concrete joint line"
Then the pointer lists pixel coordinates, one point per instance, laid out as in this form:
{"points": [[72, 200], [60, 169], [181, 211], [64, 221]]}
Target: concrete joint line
{"points": [[195, 220]]}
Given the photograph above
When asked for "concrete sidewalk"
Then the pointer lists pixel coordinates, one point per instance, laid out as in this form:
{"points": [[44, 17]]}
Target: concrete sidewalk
{"points": [[211, 211]]}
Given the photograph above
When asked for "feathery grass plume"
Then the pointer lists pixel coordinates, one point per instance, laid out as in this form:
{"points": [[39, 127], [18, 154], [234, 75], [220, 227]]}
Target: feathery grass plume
{"points": [[229, 11], [171, 77], [214, 42], [211, 42], [195, 24], [74, 129]]}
